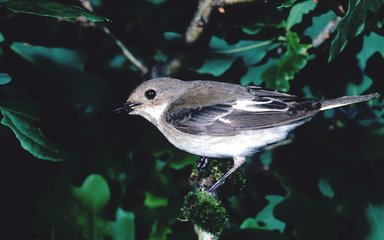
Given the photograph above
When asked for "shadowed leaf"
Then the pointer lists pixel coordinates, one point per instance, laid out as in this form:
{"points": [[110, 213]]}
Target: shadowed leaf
{"points": [[224, 54], [51, 9], [352, 23], [21, 117]]}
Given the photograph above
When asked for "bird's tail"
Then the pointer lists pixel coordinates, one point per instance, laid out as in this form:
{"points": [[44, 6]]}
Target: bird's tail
{"points": [[342, 101]]}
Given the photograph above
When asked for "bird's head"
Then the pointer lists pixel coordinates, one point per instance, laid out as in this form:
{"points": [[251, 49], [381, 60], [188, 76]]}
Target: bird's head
{"points": [[152, 97]]}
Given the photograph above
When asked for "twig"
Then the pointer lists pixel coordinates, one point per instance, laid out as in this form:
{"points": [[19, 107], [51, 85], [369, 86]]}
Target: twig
{"points": [[201, 18], [326, 32], [126, 52], [87, 5], [193, 32]]}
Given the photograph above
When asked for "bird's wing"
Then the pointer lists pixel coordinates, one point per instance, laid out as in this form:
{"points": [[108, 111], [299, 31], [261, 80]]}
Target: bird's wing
{"points": [[260, 109]]}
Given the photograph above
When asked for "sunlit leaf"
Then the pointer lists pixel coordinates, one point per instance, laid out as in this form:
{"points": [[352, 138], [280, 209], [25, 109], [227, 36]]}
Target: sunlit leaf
{"points": [[372, 43], [250, 51], [298, 11], [151, 201], [21, 118], [352, 23], [51, 9], [293, 60], [93, 194], [265, 219], [4, 78]]}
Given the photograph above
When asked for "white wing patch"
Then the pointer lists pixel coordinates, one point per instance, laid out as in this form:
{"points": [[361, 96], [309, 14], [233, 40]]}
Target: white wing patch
{"points": [[224, 120], [256, 106]]}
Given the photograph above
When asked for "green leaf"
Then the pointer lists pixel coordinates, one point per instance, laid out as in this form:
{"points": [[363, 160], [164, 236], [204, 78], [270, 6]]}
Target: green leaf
{"points": [[1, 38], [326, 189], [253, 74], [20, 117], [96, 3], [357, 89], [352, 23], [93, 194], [117, 61], [4, 78], [156, 2], [375, 217], [51, 9], [86, 93], [124, 226], [372, 43], [298, 11], [151, 201], [224, 54], [286, 4], [178, 164], [293, 60], [169, 36], [252, 30], [265, 219], [318, 24], [159, 231]]}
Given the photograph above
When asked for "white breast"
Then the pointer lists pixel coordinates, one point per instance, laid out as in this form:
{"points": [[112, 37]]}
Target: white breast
{"points": [[243, 144]]}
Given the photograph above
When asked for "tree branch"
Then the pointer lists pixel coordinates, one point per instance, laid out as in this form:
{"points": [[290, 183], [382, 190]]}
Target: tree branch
{"points": [[201, 18]]}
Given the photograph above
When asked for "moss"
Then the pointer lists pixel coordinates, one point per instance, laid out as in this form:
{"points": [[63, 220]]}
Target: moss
{"points": [[206, 211]]}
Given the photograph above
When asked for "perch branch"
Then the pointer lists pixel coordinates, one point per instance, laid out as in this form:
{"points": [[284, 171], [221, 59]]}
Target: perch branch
{"points": [[87, 5]]}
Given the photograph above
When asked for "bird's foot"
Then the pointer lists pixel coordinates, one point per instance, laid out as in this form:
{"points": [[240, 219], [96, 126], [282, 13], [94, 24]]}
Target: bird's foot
{"points": [[202, 164], [238, 161]]}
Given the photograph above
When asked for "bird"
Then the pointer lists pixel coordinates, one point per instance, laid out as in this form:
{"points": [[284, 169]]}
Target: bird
{"points": [[224, 120]]}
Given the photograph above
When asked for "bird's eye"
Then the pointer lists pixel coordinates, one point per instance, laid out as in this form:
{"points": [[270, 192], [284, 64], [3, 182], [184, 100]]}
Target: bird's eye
{"points": [[150, 94]]}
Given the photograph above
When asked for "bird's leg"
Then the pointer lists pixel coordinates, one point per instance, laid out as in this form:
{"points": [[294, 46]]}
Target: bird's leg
{"points": [[237, 162], [202, 163]]}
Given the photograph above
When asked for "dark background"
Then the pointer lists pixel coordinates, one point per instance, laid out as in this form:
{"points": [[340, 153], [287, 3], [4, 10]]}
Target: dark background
{"points": [[344, 147]]}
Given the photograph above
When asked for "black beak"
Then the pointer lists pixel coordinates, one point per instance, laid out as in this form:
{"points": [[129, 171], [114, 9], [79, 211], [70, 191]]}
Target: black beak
{"points": [[128, 107]]}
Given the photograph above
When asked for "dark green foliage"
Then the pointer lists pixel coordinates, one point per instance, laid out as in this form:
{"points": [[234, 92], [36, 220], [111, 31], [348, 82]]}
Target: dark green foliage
{"points": [[71, 169], [353, 23], [51, 9], [206, 211], [284, 69], [21, 117]]}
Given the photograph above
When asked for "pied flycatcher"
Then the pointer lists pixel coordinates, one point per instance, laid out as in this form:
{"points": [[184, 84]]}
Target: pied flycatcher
{"points": [[223, 120]]}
